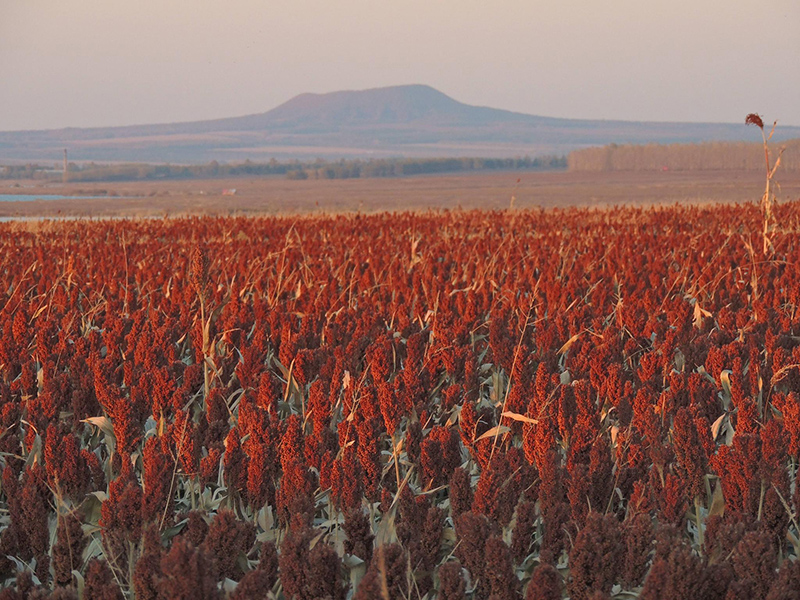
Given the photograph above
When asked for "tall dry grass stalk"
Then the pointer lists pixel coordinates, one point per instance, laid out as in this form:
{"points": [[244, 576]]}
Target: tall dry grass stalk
{"points": [[768, 199], [198, 276]]}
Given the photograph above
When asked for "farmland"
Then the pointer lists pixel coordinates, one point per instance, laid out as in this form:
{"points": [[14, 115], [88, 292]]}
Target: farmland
{"points": [[460, 404], [269, 195]]}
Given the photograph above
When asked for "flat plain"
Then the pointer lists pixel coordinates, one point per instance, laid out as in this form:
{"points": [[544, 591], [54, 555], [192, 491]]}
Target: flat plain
{"points": [[277, 195]]}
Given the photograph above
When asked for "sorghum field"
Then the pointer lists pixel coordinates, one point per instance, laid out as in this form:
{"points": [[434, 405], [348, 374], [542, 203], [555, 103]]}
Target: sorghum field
{"points": [[487, 405]]}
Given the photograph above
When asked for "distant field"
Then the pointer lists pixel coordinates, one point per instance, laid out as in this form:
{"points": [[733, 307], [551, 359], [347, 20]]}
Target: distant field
{"points": [[480, 190]]}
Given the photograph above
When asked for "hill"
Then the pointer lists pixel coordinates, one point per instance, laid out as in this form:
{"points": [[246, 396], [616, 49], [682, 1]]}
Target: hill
{"points": [[409, 120]]}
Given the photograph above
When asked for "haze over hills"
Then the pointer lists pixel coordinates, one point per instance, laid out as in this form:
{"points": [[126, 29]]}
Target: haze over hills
{"points": [[409, 120]]}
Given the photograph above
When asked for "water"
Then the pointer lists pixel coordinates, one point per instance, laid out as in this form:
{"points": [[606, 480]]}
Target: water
{"points": [[30, 197]]}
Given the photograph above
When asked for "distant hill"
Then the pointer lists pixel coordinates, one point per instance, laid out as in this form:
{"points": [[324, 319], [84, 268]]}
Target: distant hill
{"points": [[408, 120], [416, 105]]}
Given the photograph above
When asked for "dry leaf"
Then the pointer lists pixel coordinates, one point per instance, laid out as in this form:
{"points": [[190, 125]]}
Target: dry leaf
{"points": [[725, 381], [346, 380], [717, 507], [717, 425], [494, 431], [614, 434], [518, 417], [569, 343], [699, 313], [102, 423]]}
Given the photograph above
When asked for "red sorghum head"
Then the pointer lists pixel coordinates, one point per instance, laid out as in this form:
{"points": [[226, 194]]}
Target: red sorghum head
{"points": [[545, 584], [596, 558], [187, 573], [451, 582]]}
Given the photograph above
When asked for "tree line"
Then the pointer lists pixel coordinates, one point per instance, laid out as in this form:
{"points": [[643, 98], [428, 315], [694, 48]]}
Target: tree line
{"points": [[682, 157], [318, 169]]}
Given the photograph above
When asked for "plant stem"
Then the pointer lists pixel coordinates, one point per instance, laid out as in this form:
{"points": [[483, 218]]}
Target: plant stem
{"points": [[206, 377], [395, 457], [699, 522]]}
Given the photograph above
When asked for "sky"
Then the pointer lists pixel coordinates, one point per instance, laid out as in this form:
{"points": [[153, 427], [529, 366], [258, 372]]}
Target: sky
{"points": [[83, 63]]}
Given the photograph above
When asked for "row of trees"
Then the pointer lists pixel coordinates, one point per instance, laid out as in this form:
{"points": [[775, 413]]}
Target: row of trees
{"points": [[613, 157], [318, 169], [680, 157], [28, 171], [399, 167]]}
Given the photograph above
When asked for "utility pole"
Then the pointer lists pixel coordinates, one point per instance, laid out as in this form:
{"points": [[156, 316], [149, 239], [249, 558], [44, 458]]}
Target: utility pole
{"points": [[66, 176]]}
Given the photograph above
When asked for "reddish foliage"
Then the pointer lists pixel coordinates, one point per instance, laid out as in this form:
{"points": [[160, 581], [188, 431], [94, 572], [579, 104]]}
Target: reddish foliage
{"points": [[68, 548], [545, 584], [100, 582], [228, 541], [596, 558], [451, 582], [340, 371], [147, 573], [187, 573]]}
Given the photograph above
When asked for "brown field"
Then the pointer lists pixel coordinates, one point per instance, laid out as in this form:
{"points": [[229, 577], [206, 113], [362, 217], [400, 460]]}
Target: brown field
{"points": [[482, 190]]}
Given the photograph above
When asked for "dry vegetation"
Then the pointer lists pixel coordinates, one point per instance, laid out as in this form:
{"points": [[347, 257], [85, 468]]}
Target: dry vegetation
{"points": [[492, 191], [486, 405]]}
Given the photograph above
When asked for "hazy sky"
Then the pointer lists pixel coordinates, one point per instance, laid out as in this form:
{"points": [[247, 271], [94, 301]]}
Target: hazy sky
{"points": [[110, 62]]}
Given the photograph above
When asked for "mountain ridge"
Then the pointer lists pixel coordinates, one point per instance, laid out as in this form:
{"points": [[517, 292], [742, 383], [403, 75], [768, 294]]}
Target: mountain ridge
{"points": [[403, 120]]}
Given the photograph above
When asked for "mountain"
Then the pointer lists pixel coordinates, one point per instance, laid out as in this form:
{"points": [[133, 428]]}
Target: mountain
{"points": [[399, 105], [408, 120]]}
